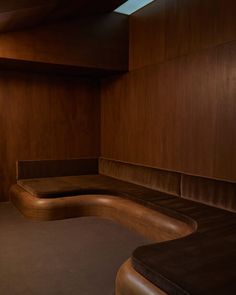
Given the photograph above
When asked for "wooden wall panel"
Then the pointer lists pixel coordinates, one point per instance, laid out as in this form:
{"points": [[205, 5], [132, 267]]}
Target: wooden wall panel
{"points": [[46, 117], [166, 29], [176, 109], [99, 42], [176, 116], [15, 14], [147, 35], [163, 181]]}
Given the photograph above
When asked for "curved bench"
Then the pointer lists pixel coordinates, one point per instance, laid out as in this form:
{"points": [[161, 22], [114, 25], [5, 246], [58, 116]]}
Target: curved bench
{"points": [[150, 223], [160, 268]]}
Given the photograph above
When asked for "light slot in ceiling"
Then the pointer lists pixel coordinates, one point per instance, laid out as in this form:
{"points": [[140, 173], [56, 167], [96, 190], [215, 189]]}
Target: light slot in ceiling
{"points": [[132, 6]]}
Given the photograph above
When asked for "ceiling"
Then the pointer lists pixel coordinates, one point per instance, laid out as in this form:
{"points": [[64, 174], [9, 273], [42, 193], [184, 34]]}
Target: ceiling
{"points": [[19, 14]]}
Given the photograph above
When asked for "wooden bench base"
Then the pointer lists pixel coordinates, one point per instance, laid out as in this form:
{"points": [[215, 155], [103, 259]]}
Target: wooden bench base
{"points": [[130, 282], [152, 224]]}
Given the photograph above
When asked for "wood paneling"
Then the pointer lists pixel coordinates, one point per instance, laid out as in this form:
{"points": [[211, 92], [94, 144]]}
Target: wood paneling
{"points": [[147, 35], [217, 193], [178, 115], [45, 118], [163, 181], [99, 42], [166, 29], [176, 109], [15, 14], [220, 194], [55, 168]]}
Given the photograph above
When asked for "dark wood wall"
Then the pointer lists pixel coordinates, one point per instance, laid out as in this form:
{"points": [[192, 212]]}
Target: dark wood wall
{"points": [[46, 117], [176, 109], [99, 42]]}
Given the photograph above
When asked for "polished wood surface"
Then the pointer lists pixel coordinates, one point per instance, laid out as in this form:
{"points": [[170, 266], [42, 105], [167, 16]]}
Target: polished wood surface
{"points": [[130, 282], [177, 115], [45, 118], [188, 265], [98, 42], [16, 14], [175, 110], [166, 29], [150, 223], [216, 193]]}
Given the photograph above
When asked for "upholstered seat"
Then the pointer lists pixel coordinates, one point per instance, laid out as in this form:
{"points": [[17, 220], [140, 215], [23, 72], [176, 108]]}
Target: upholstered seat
{"points": [[190, 265]]}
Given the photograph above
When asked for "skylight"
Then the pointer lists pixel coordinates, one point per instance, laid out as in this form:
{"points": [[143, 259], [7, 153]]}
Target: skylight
{"points": [[131, 6]]}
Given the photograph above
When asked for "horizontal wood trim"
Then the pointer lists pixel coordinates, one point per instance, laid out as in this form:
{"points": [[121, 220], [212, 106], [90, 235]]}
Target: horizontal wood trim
{"points": [[164, 181], [54, 168], [216, 193]]}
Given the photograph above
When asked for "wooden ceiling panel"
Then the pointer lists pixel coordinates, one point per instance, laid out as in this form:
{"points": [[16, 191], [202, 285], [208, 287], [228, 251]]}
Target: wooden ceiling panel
{"points": [[18, 14], [9, 5], [18, 19]]}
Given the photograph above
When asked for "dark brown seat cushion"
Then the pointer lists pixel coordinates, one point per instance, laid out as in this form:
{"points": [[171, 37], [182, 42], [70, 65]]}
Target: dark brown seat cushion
{"points": [[55, 186]]}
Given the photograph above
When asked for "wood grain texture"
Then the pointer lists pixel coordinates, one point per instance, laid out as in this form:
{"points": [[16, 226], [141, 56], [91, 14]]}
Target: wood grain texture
{"points": [[53, 168], [220, 194], [45, 118], [98, 42], [175, 109], [167, 29], [130, 282], [149, 223], [217, 193], [178, 115], [15, 15], [162, 181], [147, 35]]}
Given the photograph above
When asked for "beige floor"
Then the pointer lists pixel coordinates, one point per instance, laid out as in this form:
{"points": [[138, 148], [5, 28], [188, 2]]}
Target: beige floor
{"points": [[78, 256]]}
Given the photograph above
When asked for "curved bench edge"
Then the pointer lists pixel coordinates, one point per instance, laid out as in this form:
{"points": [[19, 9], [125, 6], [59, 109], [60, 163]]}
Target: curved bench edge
{"points": [[130, 282], [148, 222], [151, 223]]}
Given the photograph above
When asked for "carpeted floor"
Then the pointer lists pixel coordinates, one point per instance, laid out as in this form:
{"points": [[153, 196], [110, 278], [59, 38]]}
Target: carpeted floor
{"points": [[78, 256]]}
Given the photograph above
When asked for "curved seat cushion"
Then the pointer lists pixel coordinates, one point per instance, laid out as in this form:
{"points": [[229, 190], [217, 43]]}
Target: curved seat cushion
{"points": [[62, 186], [85, 184], [51, 186]]}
